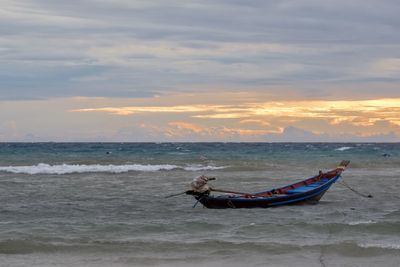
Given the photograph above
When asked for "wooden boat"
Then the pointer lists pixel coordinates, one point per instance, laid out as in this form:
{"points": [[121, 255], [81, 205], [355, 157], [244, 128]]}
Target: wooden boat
{"points": [[308, 191]]}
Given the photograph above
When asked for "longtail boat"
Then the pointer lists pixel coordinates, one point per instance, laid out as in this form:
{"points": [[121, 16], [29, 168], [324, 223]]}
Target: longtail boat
{"points": [[308, 191]]}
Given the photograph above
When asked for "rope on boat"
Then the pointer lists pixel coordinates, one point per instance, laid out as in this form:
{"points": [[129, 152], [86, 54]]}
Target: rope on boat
{"points": [[197, 202], [342, 182]]}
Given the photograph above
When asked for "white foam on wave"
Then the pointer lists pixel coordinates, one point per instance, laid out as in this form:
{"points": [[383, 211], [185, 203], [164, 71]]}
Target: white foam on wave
{"points": [[361, 222], [43, 168], [203, 168], [381, 245], [344, 148]]}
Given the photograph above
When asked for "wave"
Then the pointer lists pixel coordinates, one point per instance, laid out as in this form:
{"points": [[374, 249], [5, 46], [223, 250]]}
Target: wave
{"points": [[28, 246], [344, 148], [371, 227], [361, 222], [43, 168], [392, 246], [202, 168]]}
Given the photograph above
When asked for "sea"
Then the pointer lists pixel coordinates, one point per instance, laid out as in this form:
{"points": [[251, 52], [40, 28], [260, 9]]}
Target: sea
{"points": [[106, 204]]}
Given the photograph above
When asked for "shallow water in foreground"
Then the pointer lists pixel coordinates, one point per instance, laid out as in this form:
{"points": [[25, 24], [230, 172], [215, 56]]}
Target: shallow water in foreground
{"points": [[103, 205]]}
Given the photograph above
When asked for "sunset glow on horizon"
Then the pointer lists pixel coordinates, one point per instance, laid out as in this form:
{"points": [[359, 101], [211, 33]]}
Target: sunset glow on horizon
{"points": [[361, 118]]}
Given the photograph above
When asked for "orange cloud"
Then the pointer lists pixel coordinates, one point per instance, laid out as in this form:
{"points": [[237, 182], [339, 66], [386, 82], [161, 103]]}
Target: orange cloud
{"points": [[335, 110], [178, 129], [150, 109], [255, 122], [187, 126], [361, 117]]}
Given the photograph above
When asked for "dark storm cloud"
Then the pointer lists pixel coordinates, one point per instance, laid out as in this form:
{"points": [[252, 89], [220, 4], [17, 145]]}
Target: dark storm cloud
{"points": [[142, 48]]}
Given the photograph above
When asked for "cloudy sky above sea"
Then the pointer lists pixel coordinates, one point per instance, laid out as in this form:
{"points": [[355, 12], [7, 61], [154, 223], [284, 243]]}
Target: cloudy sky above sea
{"points": [[209, 70]]}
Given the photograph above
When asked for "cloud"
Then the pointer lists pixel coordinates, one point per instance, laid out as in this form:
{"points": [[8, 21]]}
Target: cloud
{"points": [[186, 126], [108, 119], [135, 110], [255, 120], [184, 131], [141, 48], [361, 112], [385, 67], [293, 134], [202, 69]]}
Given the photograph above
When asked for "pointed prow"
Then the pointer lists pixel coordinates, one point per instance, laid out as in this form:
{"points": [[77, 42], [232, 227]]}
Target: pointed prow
{"points": [[342, 166]]}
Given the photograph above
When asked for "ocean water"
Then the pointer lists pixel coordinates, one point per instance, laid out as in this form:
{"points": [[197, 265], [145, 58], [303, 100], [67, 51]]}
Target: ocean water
{"points": [[103, 204]]}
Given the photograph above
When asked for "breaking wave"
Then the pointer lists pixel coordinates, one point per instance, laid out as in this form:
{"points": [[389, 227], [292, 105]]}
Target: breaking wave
{"points": [[344, 148], [362, 222], [43, 168], [394, 246]]}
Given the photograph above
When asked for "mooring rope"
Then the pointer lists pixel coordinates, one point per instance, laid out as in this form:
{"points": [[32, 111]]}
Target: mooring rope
{"points": [[343, 182], [198, 200]]}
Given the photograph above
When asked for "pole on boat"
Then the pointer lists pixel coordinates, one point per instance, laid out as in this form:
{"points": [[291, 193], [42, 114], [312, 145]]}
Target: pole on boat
{"points": [[174, 195]]}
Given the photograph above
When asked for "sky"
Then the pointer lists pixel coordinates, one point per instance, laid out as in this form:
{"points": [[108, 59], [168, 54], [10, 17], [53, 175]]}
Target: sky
{"points": [[209, 70]]}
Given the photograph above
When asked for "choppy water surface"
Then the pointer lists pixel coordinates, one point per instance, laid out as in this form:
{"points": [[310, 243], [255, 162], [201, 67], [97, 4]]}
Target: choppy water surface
{"points": [[103, 205]]}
